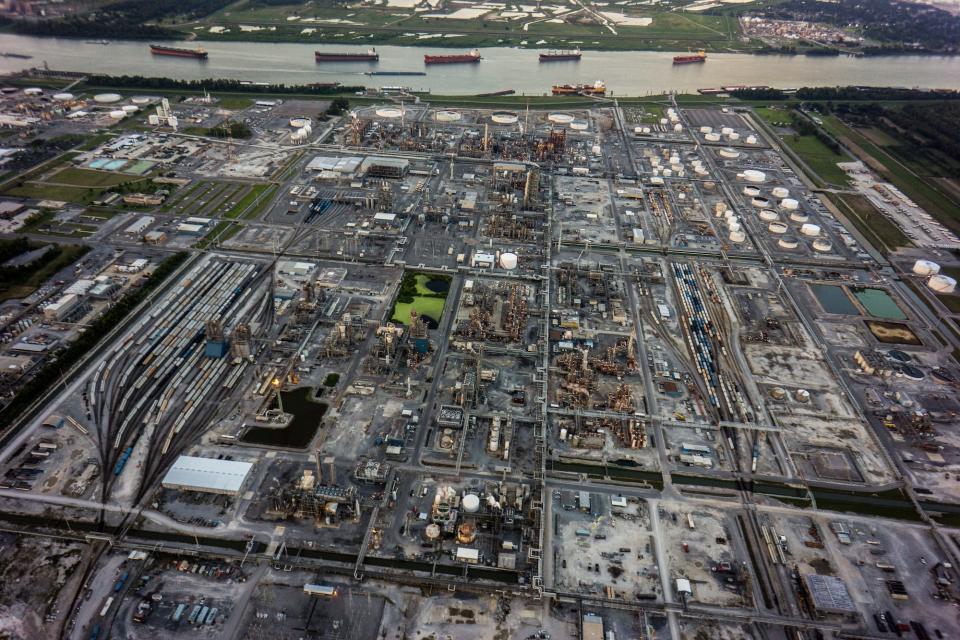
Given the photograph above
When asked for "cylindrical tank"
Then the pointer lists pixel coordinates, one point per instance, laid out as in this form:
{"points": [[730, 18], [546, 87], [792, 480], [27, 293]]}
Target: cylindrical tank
{"points": [[131, 108], [780, 192], [719, 209], [106, 98], [811, 230], [777, 227], [579, 125], [118, 114], [751, 139], [727, 152], [822, 245], [726, 130], [733, 137], [466, 533], [432, 532], [712, 137], [447, 115], [760, 201], [789, 204], [33, 91], [737, 236], [678, 128], [942, 283], [62, 97], [751, 191], [769, 215], [798, 216], [734, 226], [801, 395], [506, 117], [752, 175], [667, 173], [778, 393], [508, 260], [706, 129], [664, 121], [788, 242], [470, 503], [298, 123], [925, 268]]}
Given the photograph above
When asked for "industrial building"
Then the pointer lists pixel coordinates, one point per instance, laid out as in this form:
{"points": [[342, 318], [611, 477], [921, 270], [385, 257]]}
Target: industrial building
{"points": [[207, 475]]}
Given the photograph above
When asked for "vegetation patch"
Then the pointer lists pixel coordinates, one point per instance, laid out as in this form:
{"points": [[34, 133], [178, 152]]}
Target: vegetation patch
{"points": [[424, 293]]}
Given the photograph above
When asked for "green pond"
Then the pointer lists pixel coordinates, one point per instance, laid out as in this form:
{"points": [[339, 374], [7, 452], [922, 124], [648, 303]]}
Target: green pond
{"points": [[834, 299], [879, 304]]}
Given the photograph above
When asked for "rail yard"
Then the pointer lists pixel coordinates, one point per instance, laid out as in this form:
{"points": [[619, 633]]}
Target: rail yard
{"points": [[425, 371]]}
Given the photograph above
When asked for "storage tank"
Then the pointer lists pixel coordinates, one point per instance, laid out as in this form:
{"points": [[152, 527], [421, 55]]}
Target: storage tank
{"points": [[107, 98], [389, 112], [737, 236], [925, 268], [789, 204], [726, 130], [942, 283], [663, 121], [63, 97], [788, 242], [778, 393], [432, 532], [822, 245], [118, 114], [769, 215], [712, 137], [579, 125], [733, 137], [298, 123], [751, 191], [678, 128], [801, 395], [727, 152], [751, 139], [466, 533], [777, 227], [131, 108], [33, 91], [780, 192], [447, 115], [752, 175], [646, 130], [504, 117], [508, 260], [760, 201], [811, 230], [470, 503], [798, 216], [734, 226], [667, 173], [706, 129], [141, 100]]}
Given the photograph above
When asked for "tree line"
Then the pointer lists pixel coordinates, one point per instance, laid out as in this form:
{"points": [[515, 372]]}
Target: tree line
{"points": [[215, 85]]}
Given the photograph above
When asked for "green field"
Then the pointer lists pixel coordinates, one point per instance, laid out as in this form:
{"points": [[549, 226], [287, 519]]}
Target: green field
{"points": [[876, 227], [818, 157], [73, 176], [28, 282], [424, 301], [245, 207]]}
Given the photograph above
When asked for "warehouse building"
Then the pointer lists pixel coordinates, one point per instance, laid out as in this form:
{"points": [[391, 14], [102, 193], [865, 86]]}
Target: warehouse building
{"points": [[385, 167], [207, 475]]}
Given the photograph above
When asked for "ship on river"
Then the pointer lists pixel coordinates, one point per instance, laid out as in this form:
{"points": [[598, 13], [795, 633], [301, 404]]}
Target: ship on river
{"points": [[558, 56], [370, 55], [699, 56], [198, 53], [469, 57]]}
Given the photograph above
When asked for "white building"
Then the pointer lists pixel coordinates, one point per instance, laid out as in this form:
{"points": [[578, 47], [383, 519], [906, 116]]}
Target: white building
{"points": [[207, 475]]}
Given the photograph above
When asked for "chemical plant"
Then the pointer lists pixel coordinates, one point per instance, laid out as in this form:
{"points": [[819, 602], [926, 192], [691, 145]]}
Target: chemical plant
{"points": [[414, 371]]}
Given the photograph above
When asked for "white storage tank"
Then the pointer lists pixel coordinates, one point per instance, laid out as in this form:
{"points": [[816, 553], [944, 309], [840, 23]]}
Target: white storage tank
{"points": [[801, 395], [118, 114], [726, 130], [131, 108], [727, 152], [751, 139], [63, 97], [752, 175], [811, 230], [712, 137], [508, 260], [667, 173], [788, 242], [734, 226], [822, 245], [706, 129], [678, 128], [737, 236], [780, 193], [719, 209], [33, 91], [789, 204], [925, 268], [751, 191], [777, 227], [663, 121], [760, 201], [942, 283], [798, 216], [733, 137], [470, 503], [769, 215]]}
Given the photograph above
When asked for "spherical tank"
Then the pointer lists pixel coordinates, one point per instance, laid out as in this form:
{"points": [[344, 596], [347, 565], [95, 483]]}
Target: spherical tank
{"points": [[470, 503], [508, 260], [432, 532]]}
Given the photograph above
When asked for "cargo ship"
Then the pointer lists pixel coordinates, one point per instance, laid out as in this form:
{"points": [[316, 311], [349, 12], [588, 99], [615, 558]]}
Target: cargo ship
{"points": [[557, 56], [472, 56], [395, 73], [595, 89], [174, 51], [371, 55], [699, 56]]}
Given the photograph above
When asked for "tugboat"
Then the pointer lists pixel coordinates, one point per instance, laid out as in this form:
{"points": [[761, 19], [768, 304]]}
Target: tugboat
{"points": [[557, 56], [598, 88], [699, 56], [470, 57], [198, 53]]}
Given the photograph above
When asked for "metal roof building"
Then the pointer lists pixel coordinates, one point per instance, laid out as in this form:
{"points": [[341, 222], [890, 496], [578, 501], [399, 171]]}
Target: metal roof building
{"points": [[207, 475], [829, 594]]}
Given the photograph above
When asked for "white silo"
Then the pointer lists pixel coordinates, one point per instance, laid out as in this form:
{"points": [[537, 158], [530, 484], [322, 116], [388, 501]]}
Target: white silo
{"points": [[926, 268]]}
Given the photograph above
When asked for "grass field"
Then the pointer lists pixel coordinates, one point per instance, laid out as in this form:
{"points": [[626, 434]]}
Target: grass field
{"points": [[32, 280], [245, 208], [223, 231], [876, 227], [818, 157], [425, 304], [73, 176], [922, 191]]}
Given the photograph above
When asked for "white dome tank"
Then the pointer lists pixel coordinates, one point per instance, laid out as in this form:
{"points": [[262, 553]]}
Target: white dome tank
{"points": [[941, 283], [63, 97], [726, 130], [737, 236], [470, 503], [733, 137], [752, 175], [508, 260], [780, 193], [706, 129], [769, 215], [107, 98], [141, 100], [131, 108], [663, 121], [678, 128], [822, 245], [925, 268], [789, 204], [727, 152], [751, 139], [811, 230], [788, 242], [33, 91], [801, 395], [579, 125], [389, 112], [118, 114], [777, 227], [712, 137]]}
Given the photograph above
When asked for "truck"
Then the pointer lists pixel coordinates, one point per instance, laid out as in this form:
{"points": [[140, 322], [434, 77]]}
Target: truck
{"points": [[119, 583], [178, 612], [106, 606]]}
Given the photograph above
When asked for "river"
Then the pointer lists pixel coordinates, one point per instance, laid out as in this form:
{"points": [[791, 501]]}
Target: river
{"points": [[625, 73]]}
